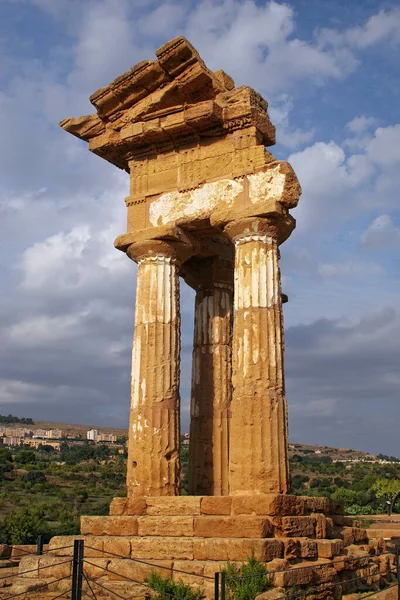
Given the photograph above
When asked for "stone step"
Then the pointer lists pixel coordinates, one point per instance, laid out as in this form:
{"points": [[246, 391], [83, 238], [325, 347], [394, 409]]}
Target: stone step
{"points": [[259, 505], [315, 526], [387, 532], [169, 548], [161, 526]]}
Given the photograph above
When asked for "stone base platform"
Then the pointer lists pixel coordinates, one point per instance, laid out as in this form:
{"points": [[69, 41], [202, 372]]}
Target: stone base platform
{"points": [[191, 538]]}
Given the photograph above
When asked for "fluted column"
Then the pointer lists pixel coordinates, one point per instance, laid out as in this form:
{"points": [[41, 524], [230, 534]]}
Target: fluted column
{"points": [[258, 431], [211, 378], [154, 427]]}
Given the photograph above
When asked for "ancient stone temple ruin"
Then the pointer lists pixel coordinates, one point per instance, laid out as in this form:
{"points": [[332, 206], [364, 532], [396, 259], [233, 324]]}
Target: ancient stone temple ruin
{"points": [[210, 204]]}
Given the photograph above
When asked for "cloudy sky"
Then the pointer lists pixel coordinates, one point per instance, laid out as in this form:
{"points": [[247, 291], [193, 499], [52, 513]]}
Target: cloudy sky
{"points": [[330, 71]]}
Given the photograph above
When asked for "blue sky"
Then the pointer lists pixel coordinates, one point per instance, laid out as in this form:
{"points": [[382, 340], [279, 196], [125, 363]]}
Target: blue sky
{"points": [[330, 72]]}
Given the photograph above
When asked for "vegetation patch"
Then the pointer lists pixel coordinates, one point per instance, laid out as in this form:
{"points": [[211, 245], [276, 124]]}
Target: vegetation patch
{"points": [[247, 580]]}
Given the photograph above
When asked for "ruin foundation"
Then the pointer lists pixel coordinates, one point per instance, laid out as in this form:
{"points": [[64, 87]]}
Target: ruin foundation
{"points": [[207, 203], [306, 542]]}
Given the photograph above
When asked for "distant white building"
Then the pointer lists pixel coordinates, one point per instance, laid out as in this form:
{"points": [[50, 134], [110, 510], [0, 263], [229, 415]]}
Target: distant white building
{"points": [[17, 432], [40, 434], [55, 434], [106, 437], [92, 434]]}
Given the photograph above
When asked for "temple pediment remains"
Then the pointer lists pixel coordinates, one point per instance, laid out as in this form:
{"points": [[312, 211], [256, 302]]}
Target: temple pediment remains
{"points": [[193, 143]]}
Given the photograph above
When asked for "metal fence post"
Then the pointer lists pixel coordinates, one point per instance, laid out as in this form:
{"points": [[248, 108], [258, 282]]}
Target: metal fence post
{"points": [[77, 570], [223, 586], [398, 570], [39, 545], [216, 586]]}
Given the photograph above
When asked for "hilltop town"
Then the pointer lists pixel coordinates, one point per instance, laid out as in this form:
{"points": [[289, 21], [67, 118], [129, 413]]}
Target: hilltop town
{"points": [[32, 434]]}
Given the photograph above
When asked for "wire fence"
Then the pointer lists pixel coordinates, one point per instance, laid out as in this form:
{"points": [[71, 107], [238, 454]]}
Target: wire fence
{"points": [[80, 576]]}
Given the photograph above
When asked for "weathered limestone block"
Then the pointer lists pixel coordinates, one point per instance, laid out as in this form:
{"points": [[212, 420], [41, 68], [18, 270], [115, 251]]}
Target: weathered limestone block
{"points": [[19, 550], [280, 505], [278, 564], [118, 568], [258, 436], [120, 525], [323, 526], [295, 526], [216, 505], [120, 546], [273, 594], [211, 374], [52, 565], [96, 568], [329, 548], [181, 506], [29, 563], [353, 535], [303, 574], [63, 545], [136, 505], [166, 526], [295, 576], [162, 548], [237, 549], [233, 527], [299, 548]]}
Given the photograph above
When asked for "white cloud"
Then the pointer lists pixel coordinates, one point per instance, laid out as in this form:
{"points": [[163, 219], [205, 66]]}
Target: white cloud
{"points": [[381, 27], [314, 408], [235, 34], [44, 260], [338, 184], [12, 392], [381, 233], [350, 268], [286, 135], [41, 330], [384, 147], [361, 124]]}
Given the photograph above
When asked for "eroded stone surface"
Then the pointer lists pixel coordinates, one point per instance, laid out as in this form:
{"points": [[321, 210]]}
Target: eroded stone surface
{"points": [[258, 455], [211, 376]]}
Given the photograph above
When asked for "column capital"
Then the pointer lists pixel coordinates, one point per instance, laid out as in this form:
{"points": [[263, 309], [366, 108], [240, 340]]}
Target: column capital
{"points": [[208, 273], [171, 250], [260, 228]]}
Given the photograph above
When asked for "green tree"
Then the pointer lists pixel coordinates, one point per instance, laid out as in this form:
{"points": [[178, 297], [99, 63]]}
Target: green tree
{"points": [[5, 462], [24, 525], [25, 457], [388, 489], [35, 477]]}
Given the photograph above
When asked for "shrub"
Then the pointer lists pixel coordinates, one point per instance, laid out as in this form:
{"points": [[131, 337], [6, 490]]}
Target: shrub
{"points": [[24, 525], [166, 589], [25, 457], [35, 477], [246, 581]]}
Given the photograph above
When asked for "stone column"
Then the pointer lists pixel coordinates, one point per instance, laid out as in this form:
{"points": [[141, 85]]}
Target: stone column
{"points": [[211, 377], [258, 460], [154, 427]]}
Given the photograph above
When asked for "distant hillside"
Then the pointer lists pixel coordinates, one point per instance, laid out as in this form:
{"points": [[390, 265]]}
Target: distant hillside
{"points": [[76, 430], [299, 449], [336, 454]]}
